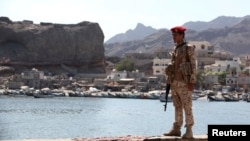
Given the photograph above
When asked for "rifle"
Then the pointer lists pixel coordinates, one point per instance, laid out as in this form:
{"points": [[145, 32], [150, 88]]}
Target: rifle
{"points": [[166, 96]]}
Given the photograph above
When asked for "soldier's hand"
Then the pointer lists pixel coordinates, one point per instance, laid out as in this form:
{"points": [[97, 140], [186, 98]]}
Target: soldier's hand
{"points": [[169, 69], [166, 71]]}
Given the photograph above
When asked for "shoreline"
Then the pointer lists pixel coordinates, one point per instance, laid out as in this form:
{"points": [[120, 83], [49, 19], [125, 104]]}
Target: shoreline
{"points": [[154, 94]]}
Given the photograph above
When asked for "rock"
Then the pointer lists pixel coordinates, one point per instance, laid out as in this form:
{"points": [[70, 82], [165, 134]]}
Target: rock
{"points": [[77, 46], [6, 70]]}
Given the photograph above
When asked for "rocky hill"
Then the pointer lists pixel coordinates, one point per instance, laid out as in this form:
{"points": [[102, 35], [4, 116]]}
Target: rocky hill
{"points": [[72, 47], [225, 33], [138, 33], [217, 23]]}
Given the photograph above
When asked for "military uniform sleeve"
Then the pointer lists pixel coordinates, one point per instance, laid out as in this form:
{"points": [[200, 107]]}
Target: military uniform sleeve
{"points": [[192, 58]]}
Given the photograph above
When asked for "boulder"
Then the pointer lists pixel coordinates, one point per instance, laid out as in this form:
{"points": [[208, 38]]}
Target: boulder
{"points": [[77, 46]]}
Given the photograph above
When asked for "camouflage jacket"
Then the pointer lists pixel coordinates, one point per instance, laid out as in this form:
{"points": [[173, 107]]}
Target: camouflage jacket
{"points": [[183, 64]]}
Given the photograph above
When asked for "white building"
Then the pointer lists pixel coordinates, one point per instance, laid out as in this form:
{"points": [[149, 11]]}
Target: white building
{"points": [[33, 78], [202, 47], [159, 66], [225, 66], [116, 75]]}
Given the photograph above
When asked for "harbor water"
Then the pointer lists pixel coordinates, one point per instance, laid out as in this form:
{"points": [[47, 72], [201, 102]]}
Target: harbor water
{"points": [[76, 117]]}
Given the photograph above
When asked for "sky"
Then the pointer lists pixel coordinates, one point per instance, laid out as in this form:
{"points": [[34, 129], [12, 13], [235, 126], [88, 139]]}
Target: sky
{"points": [[118, 16]]}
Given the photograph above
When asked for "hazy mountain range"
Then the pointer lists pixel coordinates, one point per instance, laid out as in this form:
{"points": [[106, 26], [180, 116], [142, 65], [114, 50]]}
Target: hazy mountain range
{"points": [[225, 33]]}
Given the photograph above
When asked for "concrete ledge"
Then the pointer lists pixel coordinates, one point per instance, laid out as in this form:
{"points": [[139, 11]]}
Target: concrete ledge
{"points": [[125, 138], [174, 138], [67, 139]]}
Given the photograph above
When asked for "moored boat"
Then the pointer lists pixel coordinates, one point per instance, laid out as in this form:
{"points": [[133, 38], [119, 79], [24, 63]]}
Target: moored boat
{"points": [[163, 97], [44, 93], [231, 97], [215, 96], [37, 95]]}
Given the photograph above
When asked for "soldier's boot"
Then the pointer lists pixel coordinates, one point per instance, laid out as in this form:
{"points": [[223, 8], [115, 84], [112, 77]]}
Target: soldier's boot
{"points": [[175, 131], [188, 134]]}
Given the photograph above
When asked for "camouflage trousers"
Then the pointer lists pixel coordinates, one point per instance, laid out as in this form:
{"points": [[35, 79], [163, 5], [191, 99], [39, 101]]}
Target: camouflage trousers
{"points": [[182, 100]]}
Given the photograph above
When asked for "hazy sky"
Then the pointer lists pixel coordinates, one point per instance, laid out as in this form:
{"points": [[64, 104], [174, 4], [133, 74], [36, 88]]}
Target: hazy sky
{"points": [[118, 16]]}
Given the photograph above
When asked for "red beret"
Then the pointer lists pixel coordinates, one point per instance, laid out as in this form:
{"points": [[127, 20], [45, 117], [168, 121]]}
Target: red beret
{"points": [[178, 29]]}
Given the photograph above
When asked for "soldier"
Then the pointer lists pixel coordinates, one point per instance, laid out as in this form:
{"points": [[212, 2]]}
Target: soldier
{"points": [[181, 75]]}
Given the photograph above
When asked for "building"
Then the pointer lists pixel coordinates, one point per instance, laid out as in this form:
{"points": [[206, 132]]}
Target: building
{"points": [[15, 82], [207, 55], [159, 66], [210, 80], [116, 76], [33, 78], [219, 66]]}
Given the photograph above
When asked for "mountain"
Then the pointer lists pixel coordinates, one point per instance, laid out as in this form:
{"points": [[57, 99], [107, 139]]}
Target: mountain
{"points": [[230, 34], [138, 33], [149, 44], [220, 22]]}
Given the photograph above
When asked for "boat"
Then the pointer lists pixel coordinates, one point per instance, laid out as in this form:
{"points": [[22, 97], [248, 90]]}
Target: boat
{"points": [[231, 97], [228, 95], [42, 94], [163, 97], [154, 94], [215, 96], [248, 100], [248, 97], [195, 97], [198, 93]]}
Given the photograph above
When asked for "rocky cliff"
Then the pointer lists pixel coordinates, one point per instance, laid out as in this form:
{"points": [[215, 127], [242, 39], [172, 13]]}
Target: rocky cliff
{"points": [[78, 47]]}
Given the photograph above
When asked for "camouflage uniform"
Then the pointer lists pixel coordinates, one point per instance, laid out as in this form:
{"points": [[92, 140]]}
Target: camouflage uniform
{"points": [[181, 72]]}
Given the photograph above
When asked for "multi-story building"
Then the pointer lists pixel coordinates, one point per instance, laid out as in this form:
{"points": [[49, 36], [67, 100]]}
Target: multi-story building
{"points": [[232, 67], [234, 77], [206, 53], [245, 59], [33, 78], [159, 66]]}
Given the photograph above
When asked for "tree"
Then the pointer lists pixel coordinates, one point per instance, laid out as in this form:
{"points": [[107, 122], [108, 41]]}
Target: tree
{"points": [[200, 78], [246, 72], [125, 64], [222, 78], [242, 67]]}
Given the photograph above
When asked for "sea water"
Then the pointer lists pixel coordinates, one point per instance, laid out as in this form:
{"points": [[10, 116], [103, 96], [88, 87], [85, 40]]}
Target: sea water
{"points": [[77, 117]]}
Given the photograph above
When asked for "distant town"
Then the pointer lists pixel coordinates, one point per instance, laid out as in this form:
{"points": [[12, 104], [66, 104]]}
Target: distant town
{"points": [[214, 67]]}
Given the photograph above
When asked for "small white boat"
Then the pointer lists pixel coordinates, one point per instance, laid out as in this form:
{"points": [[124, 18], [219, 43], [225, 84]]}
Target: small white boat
{"points": [[163, 97], [42, 94], [37, 95]]}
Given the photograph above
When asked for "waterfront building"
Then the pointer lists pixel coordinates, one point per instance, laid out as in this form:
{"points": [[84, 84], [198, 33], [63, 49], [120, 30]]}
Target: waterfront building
{"points": [[159, 66], [33, 78]]}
